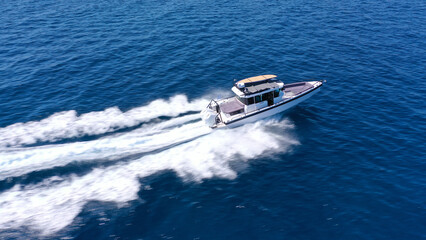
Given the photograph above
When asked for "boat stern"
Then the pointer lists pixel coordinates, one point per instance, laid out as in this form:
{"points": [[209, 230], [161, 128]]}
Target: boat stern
{"points": [[209, 117], [211, 114]]}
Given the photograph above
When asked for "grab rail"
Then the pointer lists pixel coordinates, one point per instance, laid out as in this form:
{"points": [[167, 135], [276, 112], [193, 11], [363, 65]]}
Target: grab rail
{"points": [[216, 110]]}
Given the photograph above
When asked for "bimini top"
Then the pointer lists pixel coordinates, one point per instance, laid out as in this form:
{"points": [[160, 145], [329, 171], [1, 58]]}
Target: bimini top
{"points": [[260, 78], [256, 84]]}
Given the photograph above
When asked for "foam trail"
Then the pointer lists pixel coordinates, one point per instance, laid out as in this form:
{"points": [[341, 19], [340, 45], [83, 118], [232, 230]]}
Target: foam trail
{"points": [[149, 138], [68, 124], [39, 206]]}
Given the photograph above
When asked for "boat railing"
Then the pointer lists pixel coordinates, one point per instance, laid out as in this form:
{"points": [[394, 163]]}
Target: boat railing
{"points": [[307, 89], [214, 105], [260, 109], [216, 109]]}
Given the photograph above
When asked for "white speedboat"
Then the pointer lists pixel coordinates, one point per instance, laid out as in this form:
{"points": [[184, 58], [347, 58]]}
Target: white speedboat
{"points": [[257, 98]]}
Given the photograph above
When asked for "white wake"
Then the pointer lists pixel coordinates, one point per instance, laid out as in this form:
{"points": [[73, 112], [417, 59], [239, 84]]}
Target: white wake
{"points": [[19, 161], [183, 145], [69, 124]]}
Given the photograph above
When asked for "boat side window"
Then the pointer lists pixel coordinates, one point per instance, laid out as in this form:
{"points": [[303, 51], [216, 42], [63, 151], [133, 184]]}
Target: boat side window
{"points": [[246, 101], [257, 99], [250, 100], [264, 96], [276, 93], [242, 100]]}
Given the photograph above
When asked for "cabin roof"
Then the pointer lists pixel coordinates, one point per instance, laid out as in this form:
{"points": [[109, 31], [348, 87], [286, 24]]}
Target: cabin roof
{"points": [[256, 84], [257, 78], [260, 87]]}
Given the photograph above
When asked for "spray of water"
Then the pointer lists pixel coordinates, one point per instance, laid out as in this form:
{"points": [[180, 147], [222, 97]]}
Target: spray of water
{"points": [[194, 153], [19, 161], [68, 124]]}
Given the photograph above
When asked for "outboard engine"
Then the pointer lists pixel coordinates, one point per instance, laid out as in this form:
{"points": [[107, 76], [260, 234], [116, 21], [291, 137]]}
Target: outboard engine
{"points": [[209, 117]]}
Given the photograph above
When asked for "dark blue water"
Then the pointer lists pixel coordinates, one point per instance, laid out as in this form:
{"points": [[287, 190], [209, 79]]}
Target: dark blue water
{"points": [[100, 136]]}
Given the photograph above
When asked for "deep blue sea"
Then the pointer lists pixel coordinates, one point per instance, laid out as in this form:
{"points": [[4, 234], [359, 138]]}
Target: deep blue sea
{"points": [[101, 137]]}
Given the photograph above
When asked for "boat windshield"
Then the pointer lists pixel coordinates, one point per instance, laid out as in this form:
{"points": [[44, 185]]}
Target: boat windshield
{"points": [[242, 100], [245, 101]]}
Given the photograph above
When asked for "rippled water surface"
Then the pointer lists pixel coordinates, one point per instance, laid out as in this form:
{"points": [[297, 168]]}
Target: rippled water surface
{"points": [[100, 135]]}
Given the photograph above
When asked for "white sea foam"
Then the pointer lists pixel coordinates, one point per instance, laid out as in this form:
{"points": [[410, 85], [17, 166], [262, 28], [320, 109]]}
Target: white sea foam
{"points": [[53, 204], [69, 124], [19, 161]]}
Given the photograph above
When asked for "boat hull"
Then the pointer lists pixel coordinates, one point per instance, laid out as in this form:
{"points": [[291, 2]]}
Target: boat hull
{"points": [[270, 111]]}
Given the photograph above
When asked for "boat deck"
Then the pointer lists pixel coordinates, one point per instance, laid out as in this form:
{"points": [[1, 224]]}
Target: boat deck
{"points": [[229, 111], [294, 89], [231, 105]]}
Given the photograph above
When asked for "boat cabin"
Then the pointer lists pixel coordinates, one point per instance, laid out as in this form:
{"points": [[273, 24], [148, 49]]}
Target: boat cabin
{"points": [[256, 98], [254, 93]]}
